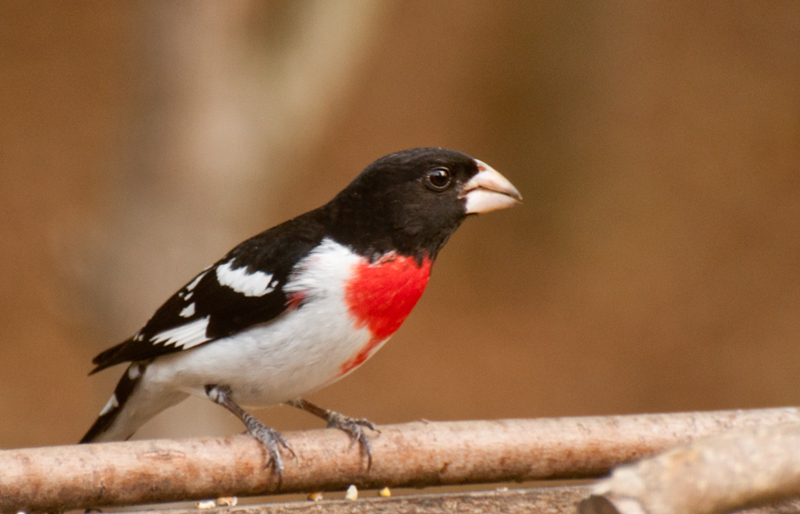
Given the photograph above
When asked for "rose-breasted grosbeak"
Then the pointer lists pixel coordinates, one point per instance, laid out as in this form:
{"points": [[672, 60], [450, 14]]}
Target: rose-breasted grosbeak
{"points": [[302, 304]]}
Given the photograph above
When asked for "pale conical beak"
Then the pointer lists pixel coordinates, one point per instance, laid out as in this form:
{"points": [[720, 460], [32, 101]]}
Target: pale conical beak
{"points": [[489, 191]]}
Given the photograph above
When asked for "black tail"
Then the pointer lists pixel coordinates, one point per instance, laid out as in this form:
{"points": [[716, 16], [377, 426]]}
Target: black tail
{"points": [[104, 360], [125, 387]]}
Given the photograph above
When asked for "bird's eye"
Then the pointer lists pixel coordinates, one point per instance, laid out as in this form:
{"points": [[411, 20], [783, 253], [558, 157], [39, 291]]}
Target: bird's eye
{"points": [[438, 179]]}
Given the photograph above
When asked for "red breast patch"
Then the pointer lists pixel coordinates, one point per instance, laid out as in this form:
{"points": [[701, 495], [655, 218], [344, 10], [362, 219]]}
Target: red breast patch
{"points": [[380, 296]]}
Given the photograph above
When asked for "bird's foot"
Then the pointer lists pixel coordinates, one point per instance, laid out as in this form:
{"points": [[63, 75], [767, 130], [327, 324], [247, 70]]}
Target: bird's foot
{"points": [[269, 437], [355, 429], [272, 441], [353, 426]]}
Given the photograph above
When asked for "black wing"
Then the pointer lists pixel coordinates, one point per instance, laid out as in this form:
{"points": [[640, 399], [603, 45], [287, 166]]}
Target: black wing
{"points": [[244, 288]]}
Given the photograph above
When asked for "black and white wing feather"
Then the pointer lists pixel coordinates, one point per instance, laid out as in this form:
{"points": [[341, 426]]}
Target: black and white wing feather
{"points": [[243, 289]]}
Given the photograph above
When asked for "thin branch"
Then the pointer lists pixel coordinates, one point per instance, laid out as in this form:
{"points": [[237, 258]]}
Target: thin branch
{"points": [[727, 472], [411, 455]]}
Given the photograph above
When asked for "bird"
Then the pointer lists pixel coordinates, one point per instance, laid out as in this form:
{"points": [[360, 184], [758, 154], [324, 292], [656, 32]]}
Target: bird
{"points": [[303, 304]]}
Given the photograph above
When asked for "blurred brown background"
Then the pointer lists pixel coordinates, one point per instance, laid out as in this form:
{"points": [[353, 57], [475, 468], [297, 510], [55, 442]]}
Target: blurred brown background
{"points": [[655, 264]]}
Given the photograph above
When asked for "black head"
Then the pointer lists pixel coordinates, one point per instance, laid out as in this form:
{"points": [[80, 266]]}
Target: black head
{"points": [[412, 201]]}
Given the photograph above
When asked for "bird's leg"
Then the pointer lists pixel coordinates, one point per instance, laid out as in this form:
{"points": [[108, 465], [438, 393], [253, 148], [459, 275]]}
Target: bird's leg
{"points": [[353, 426], [269, 437]]}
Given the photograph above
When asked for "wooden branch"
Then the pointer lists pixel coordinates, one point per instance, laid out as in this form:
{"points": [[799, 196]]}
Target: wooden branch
{"points": [[727, 472], [411, 455]]}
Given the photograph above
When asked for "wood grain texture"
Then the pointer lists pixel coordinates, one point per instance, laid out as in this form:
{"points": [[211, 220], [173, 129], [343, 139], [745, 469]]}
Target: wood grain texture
{"points": [[723, 473], [410, 455], [543, 500], [539, 500]]}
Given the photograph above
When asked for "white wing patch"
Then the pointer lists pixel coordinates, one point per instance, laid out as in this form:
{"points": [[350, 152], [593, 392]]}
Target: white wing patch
{"points": [[185, 336], [188, 311], [111, 405], [257, 283]]}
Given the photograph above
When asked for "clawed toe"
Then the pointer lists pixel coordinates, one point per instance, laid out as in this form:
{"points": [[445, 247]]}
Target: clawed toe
{"points": [[355, 429], [353, 426], [272, 441], [270, 438]]}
